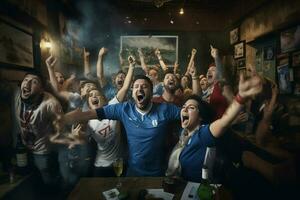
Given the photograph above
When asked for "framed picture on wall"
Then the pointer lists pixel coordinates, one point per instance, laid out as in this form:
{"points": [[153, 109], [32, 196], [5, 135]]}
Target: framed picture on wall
{"points": [[168, 46], [239, 50], [16, 47], [290, 39], [269, 53], [241, 63], [284, 79], [234, 36]]}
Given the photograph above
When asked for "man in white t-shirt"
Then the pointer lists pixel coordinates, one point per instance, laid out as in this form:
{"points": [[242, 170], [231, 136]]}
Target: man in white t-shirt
{"points": [[35, 111]]}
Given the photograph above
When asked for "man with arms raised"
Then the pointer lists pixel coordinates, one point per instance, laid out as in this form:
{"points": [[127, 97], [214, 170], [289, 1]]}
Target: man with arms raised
{"points": [[145, 124]]}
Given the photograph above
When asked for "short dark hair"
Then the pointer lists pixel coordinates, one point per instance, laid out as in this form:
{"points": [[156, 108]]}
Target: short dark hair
{"points": [[140, 76], [39, 75], [206, 112], [84, 81], [120, 72], [168, 71]]}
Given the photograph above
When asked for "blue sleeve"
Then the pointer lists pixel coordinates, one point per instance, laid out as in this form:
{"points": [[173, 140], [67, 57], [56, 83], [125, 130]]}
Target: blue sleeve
{"points": [[206, 136], [113, 112], [172, 112]]}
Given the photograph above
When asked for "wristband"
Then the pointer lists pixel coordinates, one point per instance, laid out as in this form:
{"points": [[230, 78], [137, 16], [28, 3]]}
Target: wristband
{"points": [[195, 78], [239, 99]]}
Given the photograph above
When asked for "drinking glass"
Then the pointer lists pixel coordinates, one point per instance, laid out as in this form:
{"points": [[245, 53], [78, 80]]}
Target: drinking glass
{"points": [[118, 168]]}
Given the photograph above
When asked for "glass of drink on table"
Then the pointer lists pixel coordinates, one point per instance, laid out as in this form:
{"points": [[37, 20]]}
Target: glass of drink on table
{"points": [[118, 168]]}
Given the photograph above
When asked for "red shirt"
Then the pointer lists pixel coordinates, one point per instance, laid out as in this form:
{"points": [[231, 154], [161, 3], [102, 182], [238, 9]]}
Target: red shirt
{"points": [[177, 101], [218, 101]]}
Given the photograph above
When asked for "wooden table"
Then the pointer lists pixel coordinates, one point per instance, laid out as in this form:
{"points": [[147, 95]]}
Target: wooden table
{"points": [[92, 188]]}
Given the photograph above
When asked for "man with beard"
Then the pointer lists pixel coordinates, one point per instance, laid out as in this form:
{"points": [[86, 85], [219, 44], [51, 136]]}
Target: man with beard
{"points": [[34, 112], [218, 94], [170, 86], [145, 124]]}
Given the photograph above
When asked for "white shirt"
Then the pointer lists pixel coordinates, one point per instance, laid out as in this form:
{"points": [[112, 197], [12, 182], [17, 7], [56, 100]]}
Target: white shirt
{"points": [[107, 135]]}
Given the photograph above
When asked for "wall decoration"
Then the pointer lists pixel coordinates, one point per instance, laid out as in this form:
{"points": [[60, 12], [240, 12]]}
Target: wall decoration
{"points": [[234, 36], [283, 59], [269, 53], [296, 59], [290, 39], [16, 47], [239, 50], [284, 79], [168, 46], [241, 63]]}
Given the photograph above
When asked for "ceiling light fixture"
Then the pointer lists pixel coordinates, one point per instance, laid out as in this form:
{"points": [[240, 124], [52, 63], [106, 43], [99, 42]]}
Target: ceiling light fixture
{"points": [[181, 11]]}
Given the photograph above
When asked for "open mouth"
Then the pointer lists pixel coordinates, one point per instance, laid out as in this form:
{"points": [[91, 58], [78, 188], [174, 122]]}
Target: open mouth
{"points": [[95, 101], [171, 84], [26, 91], [120, 82], [140, 97], [185, 118]]}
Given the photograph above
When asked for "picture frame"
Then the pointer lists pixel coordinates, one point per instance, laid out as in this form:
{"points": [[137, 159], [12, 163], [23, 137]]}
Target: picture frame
{"points": [[168, 46], [241, 64], [290, 39], [16, 47], [239, 50], [234, 35], [269, 53], [296, 59], [284, 79]]}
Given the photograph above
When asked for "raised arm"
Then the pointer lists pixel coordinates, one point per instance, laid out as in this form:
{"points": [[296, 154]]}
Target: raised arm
{"points": [[100, 70], [86, 60], [142, 59], [195, 80], [176, 67], [226, 89], [264, 124], [247, 89], [123, 91], [69, 82], [216, 56], [191, 62], [51, 62], [161, 61]]}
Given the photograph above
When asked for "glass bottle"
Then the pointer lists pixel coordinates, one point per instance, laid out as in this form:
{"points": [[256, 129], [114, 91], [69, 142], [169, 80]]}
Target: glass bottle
{"points": [[21, 158], [205, 190]]}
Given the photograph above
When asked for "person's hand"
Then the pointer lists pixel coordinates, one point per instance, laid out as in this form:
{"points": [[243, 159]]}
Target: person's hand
{"points": [[157, 52], [249, 87], [131, 60], [59, 123], [214, 52], [77, 132], [51, 62], [176, 64], [86, 54], [72, 76], [274, 90], [242, 117], [140, 52], [102, 51], [194, 51], [270, 105]]}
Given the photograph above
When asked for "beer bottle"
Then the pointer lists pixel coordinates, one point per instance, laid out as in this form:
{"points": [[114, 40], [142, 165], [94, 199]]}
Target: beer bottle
{"points": [[21, 158], [205, 190]]}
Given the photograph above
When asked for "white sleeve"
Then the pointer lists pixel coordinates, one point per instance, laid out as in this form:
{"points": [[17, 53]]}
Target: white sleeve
{"points": [[113, 101]]}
